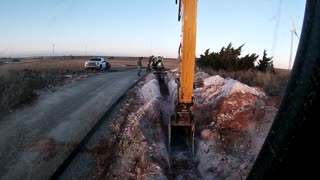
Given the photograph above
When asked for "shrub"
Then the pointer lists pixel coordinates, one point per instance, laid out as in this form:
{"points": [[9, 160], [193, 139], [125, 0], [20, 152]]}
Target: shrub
{"points": [[228, 59], [266, 63], [274, 84], [17, 87]]}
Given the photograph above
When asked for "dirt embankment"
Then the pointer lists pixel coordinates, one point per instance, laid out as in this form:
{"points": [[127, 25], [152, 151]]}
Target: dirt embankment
{"points": [[138, 143], [232, 121]]}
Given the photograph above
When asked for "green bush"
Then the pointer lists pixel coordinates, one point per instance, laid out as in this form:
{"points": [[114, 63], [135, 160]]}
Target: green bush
{"points": [[266, 63], [229, 59]]}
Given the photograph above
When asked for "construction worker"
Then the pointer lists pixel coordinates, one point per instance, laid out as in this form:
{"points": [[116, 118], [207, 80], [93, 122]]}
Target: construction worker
{"points": [[154, 62], [139, 65]]}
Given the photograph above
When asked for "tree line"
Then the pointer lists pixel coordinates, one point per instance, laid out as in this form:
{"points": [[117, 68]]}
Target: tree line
{"points": [[228, 59]]}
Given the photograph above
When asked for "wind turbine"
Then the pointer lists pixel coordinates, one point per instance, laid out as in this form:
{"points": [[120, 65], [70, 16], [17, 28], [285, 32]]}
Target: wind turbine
{"points": [[293, 32], [86, 50], [53, 49]]}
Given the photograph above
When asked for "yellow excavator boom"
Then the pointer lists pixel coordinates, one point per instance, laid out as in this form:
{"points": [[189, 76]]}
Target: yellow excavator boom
{"points": [[182, 127], [188, 50]]}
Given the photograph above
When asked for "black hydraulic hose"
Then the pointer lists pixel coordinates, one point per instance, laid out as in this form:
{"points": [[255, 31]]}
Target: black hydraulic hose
{"points": [[179, 11], [291, 142]]}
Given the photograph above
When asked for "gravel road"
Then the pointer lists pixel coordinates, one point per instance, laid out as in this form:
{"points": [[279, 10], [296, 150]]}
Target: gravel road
{"points": [[36, 139]]}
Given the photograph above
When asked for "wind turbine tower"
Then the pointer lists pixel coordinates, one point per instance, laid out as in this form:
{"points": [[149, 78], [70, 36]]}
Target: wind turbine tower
{"points": [[53, 49], [293, 32]]}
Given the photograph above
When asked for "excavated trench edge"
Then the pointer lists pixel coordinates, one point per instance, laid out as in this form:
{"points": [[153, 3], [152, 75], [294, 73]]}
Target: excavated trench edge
{"points": [[176, 164], [58, 172]]}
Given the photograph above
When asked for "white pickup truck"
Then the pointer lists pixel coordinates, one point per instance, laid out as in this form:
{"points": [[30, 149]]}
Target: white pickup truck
{"points": [[97, 63]]}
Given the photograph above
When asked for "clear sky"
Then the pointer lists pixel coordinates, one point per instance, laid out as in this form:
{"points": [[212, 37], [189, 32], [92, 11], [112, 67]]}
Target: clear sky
{"points": [[145, 27]]}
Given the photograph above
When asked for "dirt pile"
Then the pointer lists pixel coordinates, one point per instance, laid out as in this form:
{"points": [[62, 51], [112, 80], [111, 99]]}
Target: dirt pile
{"points": [[140, 151], [232, 120]]}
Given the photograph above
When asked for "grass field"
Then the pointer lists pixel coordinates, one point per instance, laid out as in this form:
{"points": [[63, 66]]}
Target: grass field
{"points": [[273, 83], [76, 64], [22, 80]]}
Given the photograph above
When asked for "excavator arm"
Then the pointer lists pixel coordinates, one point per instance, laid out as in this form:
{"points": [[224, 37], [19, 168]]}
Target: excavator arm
{"points": [[181, 128], [187, 50]]}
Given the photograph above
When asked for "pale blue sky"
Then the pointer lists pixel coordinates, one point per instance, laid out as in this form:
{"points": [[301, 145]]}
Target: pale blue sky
{"points": [[144, 27]]}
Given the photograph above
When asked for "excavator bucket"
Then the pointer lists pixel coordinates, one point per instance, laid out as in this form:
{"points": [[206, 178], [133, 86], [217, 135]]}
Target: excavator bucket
{"points": [[181, 136]]}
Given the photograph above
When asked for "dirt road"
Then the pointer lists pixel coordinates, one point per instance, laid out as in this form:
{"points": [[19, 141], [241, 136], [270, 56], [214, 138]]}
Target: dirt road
{"points": [[36, 139]]}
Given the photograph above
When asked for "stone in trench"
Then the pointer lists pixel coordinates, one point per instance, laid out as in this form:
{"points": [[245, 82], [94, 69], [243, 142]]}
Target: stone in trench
{"points": [[205, 134]]}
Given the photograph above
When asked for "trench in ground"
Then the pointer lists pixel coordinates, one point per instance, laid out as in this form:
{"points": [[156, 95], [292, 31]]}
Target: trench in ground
{"points": [[182, 163], [94, 160]]}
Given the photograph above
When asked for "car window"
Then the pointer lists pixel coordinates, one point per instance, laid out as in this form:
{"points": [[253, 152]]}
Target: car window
{"points": [[95, 59]]}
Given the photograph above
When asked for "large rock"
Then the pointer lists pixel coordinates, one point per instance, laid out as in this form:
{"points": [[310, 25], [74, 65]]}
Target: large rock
{"points": [[205, 134]]}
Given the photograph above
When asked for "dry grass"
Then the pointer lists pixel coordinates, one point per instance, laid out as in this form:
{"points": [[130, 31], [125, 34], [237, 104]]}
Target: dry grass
{"points": [[43, 65], [77, 63], [20, 80], [18, 87], [273, 83], [169, 63]]}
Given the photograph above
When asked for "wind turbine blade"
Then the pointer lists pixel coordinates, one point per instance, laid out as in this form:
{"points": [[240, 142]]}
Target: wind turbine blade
{"points": [[293, 27], [295, 32]]}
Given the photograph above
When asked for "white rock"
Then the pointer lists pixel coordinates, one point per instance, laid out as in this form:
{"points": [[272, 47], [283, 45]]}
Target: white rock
{"points": [[205, 134]]}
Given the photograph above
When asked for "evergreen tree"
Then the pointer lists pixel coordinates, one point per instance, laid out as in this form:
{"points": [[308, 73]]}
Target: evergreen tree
{"points": [[265, 64], [228, 58]]}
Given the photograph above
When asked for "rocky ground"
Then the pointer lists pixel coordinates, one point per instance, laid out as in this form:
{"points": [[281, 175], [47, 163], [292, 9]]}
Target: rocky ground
{"points": [[232, 121], [140, 149]]}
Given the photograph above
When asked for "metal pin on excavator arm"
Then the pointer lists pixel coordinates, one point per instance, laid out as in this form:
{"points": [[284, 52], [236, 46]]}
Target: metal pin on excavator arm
{"points": [[182, 126]]}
